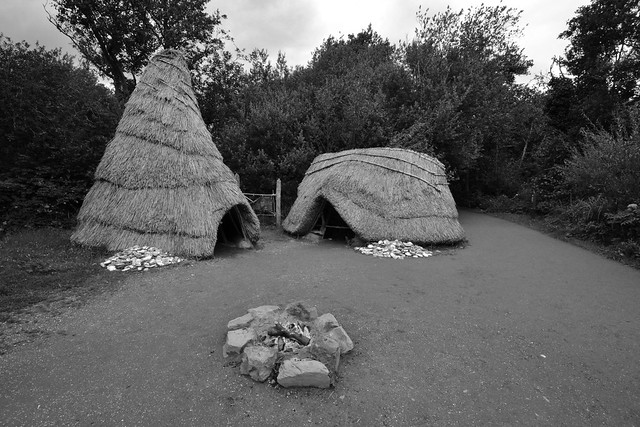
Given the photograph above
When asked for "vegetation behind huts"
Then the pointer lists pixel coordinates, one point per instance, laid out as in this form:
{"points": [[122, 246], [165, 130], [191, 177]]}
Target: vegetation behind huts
{"points": [[456, 90]]}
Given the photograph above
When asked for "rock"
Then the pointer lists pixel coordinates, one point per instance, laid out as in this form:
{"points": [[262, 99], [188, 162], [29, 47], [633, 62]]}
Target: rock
{"points": [[139, 258], [301, 311], [303, 373], [395, 249], [260, 357], [327, 350], [244, 244], [258, 362], [326, 322], [356, 241], [240, 322], [263, 311], [339, 334], [325, 344], [312, 238], [237, 340]]}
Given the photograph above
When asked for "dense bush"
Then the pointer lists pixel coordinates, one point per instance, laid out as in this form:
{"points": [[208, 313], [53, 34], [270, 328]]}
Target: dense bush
{"points": [[55, 120], [625, 224], [503, 203], [608, 163]]}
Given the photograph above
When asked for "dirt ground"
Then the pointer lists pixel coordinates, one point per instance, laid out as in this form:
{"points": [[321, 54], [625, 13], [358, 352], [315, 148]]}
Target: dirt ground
{"points": [[514, 328]]}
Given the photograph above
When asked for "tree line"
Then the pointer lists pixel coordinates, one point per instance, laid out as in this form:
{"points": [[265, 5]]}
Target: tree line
{"points": [[568, 146]]}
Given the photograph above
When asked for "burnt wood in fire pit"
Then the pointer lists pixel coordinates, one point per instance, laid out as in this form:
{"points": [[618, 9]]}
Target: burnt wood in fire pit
{"points": [[280, 331]]}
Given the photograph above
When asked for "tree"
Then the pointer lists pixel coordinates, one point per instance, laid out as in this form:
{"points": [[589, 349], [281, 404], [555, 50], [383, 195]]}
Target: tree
{"points": [[354, 98], [218, 82], [604, 56], [118, 37], [468, 109], [347, 97], [338, 57], [55, 121]]}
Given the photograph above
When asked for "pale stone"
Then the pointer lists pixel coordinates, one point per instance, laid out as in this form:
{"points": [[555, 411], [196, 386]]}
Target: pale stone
{"points": [[264, 311], [312, 238], [302, 311], [327, 350], [326, 344], [240, 322], [244, 244], [258, 362], [237, 340], [326, 322], [303, 373], [340, 335]]}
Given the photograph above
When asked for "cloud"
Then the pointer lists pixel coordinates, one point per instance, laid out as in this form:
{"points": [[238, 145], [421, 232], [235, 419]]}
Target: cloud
{"points": [[27, 20], [298, 27], [276, 25]]}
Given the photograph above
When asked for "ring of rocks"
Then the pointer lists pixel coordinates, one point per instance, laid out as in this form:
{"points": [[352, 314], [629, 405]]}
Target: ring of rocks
{"points": [[289, 347]]}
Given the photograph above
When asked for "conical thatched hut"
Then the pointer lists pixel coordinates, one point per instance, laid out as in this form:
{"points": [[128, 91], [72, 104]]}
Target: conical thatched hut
{"points": [[162, 181], [376, 193]]}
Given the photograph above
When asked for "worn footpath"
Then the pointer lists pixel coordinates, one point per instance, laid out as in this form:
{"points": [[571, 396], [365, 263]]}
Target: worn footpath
{"points": [[514, 328]]}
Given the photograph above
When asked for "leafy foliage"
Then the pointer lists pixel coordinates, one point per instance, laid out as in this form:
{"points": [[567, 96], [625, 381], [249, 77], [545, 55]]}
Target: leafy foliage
{"points": [[625, 223], [283, 118], [589, 160], [119, 37], [55, 120], [604, 55], [568, 149], [608, 163], [218, 81], [467, 110]]}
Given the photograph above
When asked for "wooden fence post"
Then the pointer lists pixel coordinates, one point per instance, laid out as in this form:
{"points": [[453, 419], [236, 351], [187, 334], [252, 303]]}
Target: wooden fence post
{"points": [[278, 201]]}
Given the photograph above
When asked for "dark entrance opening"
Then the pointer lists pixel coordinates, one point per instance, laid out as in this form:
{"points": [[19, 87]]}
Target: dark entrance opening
{"points": [[231, 231], [330, 225]]}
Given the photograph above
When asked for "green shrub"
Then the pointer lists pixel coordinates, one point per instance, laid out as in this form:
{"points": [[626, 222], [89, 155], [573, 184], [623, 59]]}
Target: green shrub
{"points": [[625, 224], [592, 209], [549, 192], [608, 163], [55, 121], [629, 249]]}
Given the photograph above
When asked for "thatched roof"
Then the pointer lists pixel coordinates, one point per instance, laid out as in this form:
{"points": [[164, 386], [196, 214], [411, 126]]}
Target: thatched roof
{"points": [[381, 193], [162, 181]]}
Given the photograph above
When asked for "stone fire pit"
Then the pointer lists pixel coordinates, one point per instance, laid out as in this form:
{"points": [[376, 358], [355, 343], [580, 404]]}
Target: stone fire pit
{"points": [[290, 346]]}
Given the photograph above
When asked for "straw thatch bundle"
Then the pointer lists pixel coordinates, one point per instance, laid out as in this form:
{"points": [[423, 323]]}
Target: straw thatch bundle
{"points": [[162, 181], [381, 193]]}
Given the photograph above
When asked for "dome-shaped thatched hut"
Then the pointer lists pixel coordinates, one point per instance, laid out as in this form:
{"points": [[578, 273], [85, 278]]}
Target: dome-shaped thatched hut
{"points": [[377, 193], [162, 181]]}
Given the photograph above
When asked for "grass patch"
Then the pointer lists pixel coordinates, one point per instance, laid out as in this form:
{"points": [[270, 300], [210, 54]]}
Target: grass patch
{"points": [[42, 265]]}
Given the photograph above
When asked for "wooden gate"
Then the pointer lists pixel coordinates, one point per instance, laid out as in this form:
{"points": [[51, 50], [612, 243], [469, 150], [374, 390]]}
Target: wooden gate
{"points": [[266, 205]]}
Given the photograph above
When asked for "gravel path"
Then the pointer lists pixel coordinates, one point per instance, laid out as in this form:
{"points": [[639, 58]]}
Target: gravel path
{"points": [[516, 328]]}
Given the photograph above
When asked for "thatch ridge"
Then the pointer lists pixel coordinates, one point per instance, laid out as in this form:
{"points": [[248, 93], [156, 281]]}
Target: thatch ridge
{"points": [[402, 195], [383, 167], [381, 152], [161, 181]]}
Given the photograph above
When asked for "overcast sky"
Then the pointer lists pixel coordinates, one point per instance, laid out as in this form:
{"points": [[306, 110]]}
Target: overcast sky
{"points": [[297, 27]]}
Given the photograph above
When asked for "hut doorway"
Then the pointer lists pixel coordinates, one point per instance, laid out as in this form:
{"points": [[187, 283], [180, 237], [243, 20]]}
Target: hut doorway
{"points": [[330, 225], [231, 230]]}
